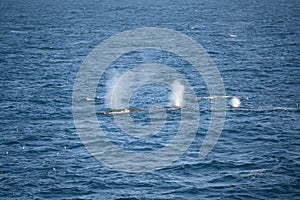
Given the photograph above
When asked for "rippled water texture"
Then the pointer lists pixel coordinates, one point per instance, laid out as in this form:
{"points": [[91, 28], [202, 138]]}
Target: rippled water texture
{"points": [[254, 44]]}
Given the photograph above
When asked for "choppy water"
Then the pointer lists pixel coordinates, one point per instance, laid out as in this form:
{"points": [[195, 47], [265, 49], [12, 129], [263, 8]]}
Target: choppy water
{"points": [[254, 44]]}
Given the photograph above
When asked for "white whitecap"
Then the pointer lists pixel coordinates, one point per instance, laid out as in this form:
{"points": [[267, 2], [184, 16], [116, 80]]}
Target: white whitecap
{"points": [[235, 102]]}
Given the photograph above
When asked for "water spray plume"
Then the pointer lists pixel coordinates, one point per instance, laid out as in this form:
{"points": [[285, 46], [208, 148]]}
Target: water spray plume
{"points": [[177, 94], [235, 102]]}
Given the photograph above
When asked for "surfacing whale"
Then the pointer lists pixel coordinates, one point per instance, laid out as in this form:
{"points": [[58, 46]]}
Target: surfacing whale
{"points": [[134, 110], [122, 111]]}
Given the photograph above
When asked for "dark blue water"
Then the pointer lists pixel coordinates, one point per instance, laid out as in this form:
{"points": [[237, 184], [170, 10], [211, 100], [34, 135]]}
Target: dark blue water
{"points": [[254, 44]]}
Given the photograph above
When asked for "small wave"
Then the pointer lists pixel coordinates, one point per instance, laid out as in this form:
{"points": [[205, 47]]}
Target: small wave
{"points": [[80, 42], [89, 99], [18, 32], [232, 35], [254, 173]]}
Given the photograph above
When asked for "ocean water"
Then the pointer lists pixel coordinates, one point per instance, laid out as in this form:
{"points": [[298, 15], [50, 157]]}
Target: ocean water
{"points": [[255, 46]]}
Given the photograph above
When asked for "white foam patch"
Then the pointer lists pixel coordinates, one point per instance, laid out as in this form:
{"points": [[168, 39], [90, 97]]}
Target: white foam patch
{"points": [[235, 102]]}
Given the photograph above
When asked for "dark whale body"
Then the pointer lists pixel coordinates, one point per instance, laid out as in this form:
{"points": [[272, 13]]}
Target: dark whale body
{"points": [[132, 110]]}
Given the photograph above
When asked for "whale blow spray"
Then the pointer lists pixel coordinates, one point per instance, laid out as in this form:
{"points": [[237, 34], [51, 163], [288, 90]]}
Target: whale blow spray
{"points": [[176, 97]]}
